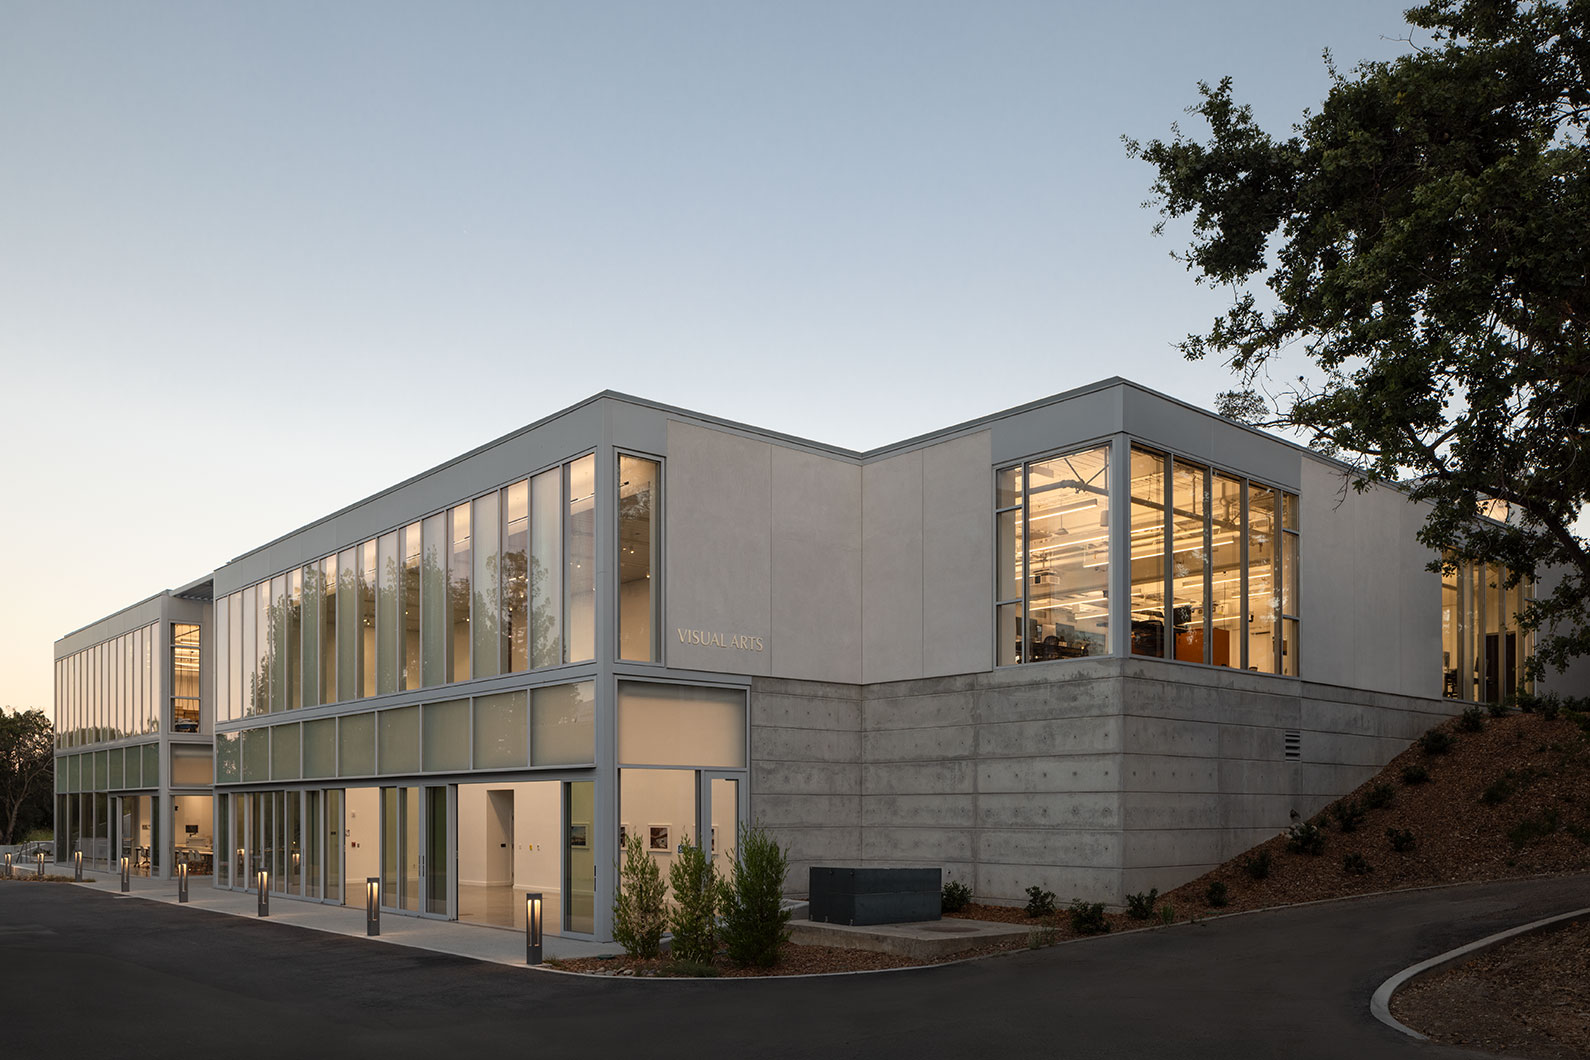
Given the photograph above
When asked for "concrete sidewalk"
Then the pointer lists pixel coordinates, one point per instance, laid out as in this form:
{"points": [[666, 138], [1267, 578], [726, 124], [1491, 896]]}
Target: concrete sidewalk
{"points": [[496, 945]]}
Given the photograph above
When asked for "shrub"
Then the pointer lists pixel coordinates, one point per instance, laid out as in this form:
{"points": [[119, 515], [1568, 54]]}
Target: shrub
{"points": [[1257, 866], [1532, 828], [1436, 742], [956, 896], [751, 900], [1401, 839], [1348, 815], [1471, 720], [1044, 936], [1088, 919], [1355, 864], [1499, 790], [1167, 915], [1415, 774], [1039, 901], [1305, 838], [640, 913], [1380, 797], [1141, 906], [1497, 710], [694, 917], [1216, 896]]}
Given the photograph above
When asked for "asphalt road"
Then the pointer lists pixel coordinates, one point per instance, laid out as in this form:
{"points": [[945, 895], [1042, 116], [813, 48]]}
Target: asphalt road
{"points": [[83, 972]]}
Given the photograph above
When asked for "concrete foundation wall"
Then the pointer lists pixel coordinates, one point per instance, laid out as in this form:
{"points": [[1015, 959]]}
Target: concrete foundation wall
{"points": [[1092, 779]]}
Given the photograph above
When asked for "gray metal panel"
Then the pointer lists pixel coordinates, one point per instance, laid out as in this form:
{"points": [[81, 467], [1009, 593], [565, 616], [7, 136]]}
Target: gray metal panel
{"points": [[137, 616], [1060, 425], [1157, 420]]}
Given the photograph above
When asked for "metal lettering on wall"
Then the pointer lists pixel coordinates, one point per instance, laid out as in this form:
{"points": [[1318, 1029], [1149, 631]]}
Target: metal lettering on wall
{"points": [[737, 641]]}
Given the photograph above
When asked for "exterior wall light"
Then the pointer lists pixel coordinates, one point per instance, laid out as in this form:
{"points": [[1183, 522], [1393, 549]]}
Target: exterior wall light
{"points": [[182, 881], [77, 865], [126, 870], [372, 906], [532, 928], [262, 880]]}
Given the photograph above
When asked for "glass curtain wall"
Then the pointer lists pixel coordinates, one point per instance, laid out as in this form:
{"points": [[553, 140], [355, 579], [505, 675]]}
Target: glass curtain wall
{"points": [[1484, 649], [107, 692]]}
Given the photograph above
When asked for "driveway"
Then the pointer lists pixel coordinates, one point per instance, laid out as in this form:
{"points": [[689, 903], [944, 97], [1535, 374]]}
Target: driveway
{"points": [[89, 972]]}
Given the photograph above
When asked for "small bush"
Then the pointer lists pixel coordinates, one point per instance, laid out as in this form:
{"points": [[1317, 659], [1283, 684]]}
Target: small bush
{"points": [[1355, 864], [1088, 919], [956, 896], [1257, 866], [1471, 720], [694, 917], [640, 909], [1044, 936], [1496, 710], [1380, 797], [1532, 828], [1401, 839], [1216, 896], [1499, 790], [751, 900], [1436, 742], [1305, 838], [1167, 915], [1348, 815], [1140, 906], [1039, 902], [1415, 774]]}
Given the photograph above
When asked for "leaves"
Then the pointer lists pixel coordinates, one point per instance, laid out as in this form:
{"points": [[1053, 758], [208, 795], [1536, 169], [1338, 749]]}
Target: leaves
{"points": [[1421, 241]]}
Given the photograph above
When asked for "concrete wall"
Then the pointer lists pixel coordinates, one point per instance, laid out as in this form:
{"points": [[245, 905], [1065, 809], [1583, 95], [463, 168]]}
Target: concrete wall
{"points": [[1092, 779], [1371, 612], [750, 522]]}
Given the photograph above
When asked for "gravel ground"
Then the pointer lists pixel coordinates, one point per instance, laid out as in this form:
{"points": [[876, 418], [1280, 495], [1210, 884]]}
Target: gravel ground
{"points": [[1529, 997]]}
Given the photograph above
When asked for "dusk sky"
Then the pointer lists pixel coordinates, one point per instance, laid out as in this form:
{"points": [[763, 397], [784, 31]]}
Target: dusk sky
{"points": [[258, 260]]}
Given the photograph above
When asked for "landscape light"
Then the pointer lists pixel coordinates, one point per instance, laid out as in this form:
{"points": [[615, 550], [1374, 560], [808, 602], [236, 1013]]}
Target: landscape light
{"points": [[532, 928], [126, 869], [77, 865], [182, 881], [262, 880], [372, 906]]}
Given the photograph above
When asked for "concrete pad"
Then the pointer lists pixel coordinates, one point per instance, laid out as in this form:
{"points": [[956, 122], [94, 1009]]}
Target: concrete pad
{"points": [[922, 941]]}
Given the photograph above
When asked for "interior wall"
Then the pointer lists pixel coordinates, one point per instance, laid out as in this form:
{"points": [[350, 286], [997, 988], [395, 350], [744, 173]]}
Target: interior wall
{"points": [[362, 843], [658, 798], [192, 810]]}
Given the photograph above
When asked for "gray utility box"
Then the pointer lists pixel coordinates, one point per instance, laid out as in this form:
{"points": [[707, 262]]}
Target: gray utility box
{"points": [[875, 896]]}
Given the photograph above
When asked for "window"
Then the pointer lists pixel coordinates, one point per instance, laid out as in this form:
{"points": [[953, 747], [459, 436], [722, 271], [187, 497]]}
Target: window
{"points": [[639, 491], [184, 677], [1054, 549], [1484, 651]]}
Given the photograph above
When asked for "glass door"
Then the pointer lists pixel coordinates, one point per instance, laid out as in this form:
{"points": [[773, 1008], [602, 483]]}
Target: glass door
{"points": [[417, 844], [720, 811]]}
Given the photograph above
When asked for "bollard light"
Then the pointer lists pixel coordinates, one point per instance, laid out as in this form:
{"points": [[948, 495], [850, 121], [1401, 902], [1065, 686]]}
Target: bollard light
{"points": [[262, 880], [125, 870], [77, 864], [182, 881], [532, 928], [372, 906], [41, 864], [8, 865]]}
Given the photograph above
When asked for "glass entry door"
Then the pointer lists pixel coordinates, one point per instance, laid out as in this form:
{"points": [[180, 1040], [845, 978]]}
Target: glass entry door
{"points": [[417, 844], [719, 825]]}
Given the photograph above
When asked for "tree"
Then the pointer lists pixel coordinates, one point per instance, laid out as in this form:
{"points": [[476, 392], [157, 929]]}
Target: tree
{"points": [[27, 772], [1423, 241]]}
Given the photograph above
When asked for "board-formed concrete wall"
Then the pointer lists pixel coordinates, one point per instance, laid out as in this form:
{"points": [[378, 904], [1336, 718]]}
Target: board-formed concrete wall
{"points": [[1094, 779]]}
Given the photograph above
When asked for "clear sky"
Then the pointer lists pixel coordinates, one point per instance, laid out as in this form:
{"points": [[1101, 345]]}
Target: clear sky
{"points": [[260, 259]]}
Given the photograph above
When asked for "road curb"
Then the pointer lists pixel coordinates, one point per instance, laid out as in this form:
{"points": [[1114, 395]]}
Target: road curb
{"points": [[1380, 1003]]}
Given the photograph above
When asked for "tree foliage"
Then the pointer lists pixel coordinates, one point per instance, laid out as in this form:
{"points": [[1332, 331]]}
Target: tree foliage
{"points": [[694, 916], [1423, 241], [754, 917], [640, 908], [27, 773]]}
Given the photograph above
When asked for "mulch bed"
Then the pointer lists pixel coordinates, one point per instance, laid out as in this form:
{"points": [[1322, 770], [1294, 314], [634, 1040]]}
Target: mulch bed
{"points": [[1528, 997]]}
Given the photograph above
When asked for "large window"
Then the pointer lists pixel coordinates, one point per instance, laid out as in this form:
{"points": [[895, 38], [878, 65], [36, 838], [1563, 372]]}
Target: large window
{"points": [[639, 523], [1211, 562], [107, 692], [500, 583], [184, 677], [1053, 566], [1483, 649], [1207, 542]]}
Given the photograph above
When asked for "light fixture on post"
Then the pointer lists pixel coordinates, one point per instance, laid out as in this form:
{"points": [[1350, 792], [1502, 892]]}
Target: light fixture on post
{"points": [[182, 881], [77, 865], [8, 866], [126, 870], [532, 928], [262, 880], [41, 864], [372, 906]]}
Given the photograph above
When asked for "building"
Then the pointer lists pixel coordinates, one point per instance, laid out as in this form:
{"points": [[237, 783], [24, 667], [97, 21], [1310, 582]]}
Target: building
{"points": [[1097, 643]]}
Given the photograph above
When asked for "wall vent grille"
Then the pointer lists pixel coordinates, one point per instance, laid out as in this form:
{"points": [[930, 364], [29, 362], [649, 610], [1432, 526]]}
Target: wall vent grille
{"points": [[1294, 745]]}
